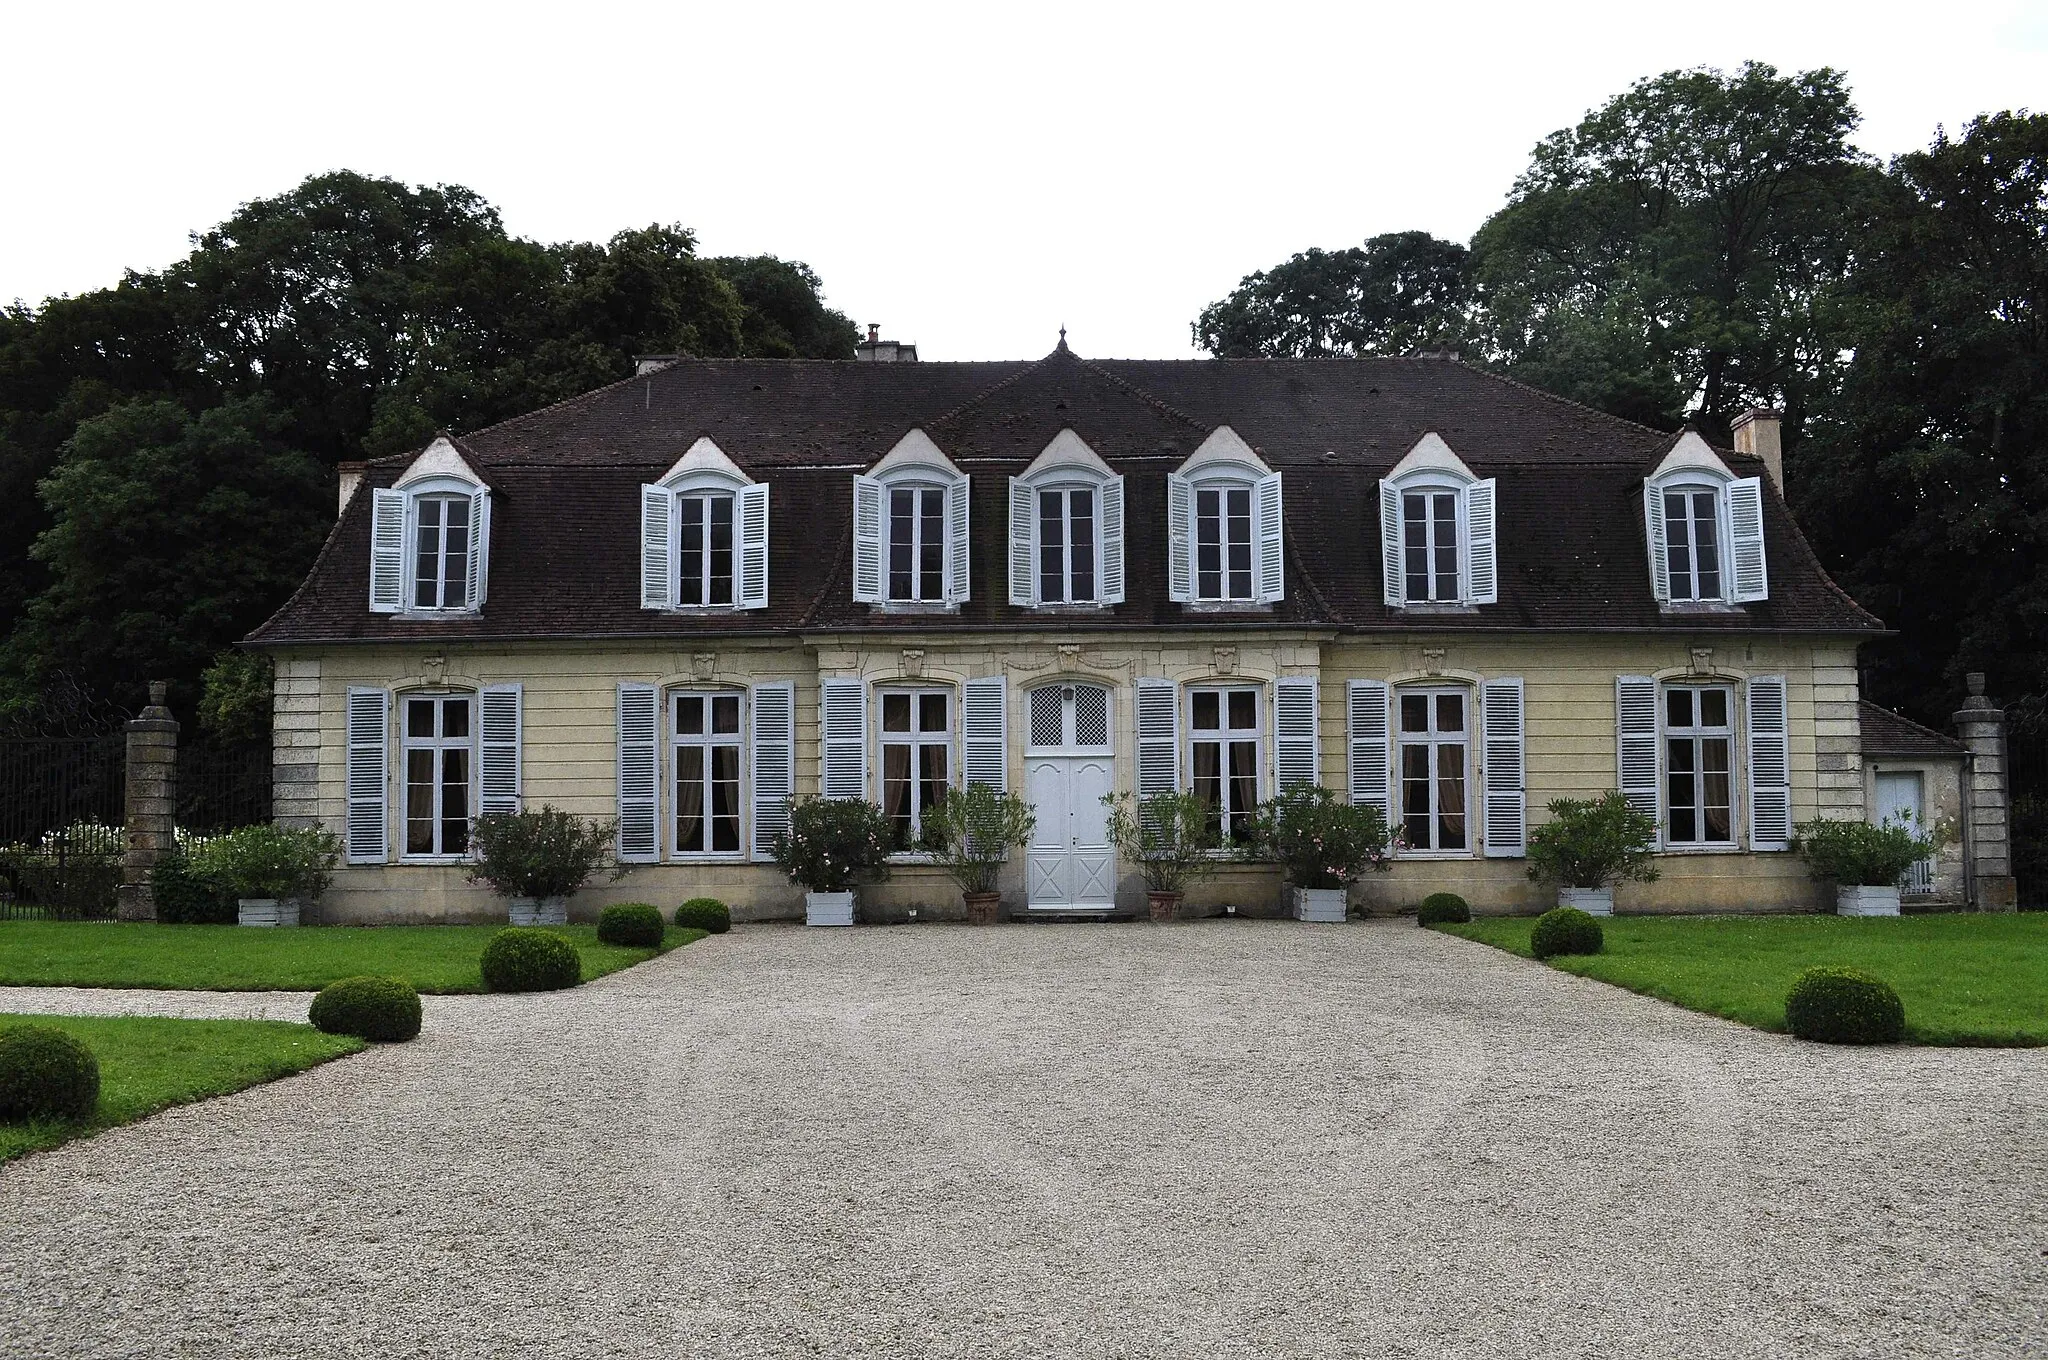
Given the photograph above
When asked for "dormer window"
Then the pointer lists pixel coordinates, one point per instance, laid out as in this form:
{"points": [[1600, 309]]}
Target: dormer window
{"points": [[441, 552], [704, 535], [430, 537], [1223, 514], [910, 528], [1705, 528], [1437, 530], [1067, 528]]}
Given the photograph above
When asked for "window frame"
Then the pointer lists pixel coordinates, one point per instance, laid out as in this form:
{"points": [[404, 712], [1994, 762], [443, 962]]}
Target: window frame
{"points": [[1064, 484], [407, 743], [1397, 739], [1226, 735], [920, 484], [672, 739], [1438, 484], [1698, 732], [447, 489], [1691, 483], [707, 555], [1224, 478], [916, 739]]}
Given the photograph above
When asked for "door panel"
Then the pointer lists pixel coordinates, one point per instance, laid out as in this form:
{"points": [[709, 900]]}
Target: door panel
{"points": [[1070, 862], [1092, 876]]}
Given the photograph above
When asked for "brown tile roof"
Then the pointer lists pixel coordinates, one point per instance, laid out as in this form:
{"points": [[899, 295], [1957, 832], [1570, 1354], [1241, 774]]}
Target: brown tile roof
{"points": [[565, 533], [1885, 733]]}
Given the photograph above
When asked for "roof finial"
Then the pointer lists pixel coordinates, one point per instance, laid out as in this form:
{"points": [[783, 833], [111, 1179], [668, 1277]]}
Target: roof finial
{"points": [[1063, 335]]}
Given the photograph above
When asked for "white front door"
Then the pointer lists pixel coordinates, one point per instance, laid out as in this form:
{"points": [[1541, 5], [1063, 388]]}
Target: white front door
{"points": [[1899, 800], [1070, 864]]}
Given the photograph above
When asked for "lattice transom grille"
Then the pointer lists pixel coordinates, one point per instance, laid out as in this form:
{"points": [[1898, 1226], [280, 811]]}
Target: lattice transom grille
{"points": [[1070, 716]]}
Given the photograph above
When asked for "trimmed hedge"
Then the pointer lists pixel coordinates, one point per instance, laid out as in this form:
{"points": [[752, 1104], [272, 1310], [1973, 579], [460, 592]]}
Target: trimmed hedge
{"points": [[636, 925], [1565, 930], [46, 1074], [706, 914], [382, 1010], [1844, 1006], [530, 959], [1439, 908]]}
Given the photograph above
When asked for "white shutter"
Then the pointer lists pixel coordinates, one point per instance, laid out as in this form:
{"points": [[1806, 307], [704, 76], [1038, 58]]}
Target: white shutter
{"points": [[1635, 748], [1482, 574], [1023, 537], [478, 575], [387, 551], [843, 735], [657, 547], [1749, 578], [499, 732], [1295, 754], [1180, 514], [1158, 736], [1393, 576], [869, 499], [1503, 778], [1653, 533], [774, 756], [956, 541], [1109, 585], [639, 780], [1770, 766], [368, 776], [750, 513], [984, 744], [1365, 704], [1270, 561]]}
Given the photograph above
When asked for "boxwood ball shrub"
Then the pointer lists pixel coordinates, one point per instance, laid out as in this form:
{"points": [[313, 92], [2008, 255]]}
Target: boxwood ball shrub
{"points": [[46, 1074], [636, 925], [704, 913], [382, 1010], [1844, 1006], [1437, 908], [529, 959], [1565, 930]]}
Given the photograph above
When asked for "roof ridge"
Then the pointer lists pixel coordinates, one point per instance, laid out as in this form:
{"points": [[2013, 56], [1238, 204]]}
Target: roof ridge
{"points": [[1129, 389], [1550, 396]]}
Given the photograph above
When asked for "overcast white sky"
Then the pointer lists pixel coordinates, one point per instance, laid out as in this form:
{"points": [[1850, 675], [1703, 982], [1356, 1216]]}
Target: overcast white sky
{"points": [[968, 176]]}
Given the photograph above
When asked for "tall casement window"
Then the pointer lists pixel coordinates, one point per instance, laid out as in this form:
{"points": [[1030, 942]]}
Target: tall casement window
{"points": [[1067, 528], [916, 738], [917, 543], [704, 730], [1437, 530], [1223, 512], [1699, 765], [1434, 744], [1223, 756], [430, 538], [436, 745], [1677, 759], [1705, 528], [458, 757], [910, 528], [704, 535]]}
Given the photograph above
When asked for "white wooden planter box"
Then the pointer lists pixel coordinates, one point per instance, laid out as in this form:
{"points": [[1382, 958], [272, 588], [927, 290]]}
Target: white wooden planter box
{"points": [[1866, 900], [1592, 901], [1324, 905], [828, 909], [267, 911], [540, 911]]}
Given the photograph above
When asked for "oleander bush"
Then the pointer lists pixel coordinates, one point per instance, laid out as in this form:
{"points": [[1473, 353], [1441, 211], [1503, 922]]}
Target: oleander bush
{"points": [[1565, 930], [265, 861], [1441, 908], [707, 914], [635, 925], [530, 959], [380, 1009], [45, 1074], [1844, 1006]]}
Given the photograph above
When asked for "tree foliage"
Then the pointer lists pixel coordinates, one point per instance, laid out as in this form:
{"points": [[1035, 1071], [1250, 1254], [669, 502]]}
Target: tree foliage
{"points": [[1396, 294]]}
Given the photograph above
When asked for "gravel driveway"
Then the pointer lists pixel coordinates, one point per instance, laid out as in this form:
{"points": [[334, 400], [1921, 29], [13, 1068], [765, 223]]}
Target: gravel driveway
{"points": [[1223, 1139]]}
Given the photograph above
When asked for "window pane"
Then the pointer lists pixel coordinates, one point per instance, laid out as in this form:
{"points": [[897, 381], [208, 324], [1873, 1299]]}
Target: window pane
{"points": [[896, 790], [725, 713], [1415, 713], [1678, 546], [1678, 708], [931, 774], [419, 802], [895, 712], [689, 798], [1415, 544], [1208, 545], [720, 584], [419, 717], [690, 715], [1715, 820], [1082, 566], [1208, 710], [454, 801], [1450, 712], [902, 541], [1052, 582], [1446, 546], [1415, 820], [1240, 502], [931, 713], [455, 717], [1713, 708], [1705, 546], [1244, 787], [1450, 796], [427, 563], [1681, 788], [455, 556], [1208, 780], [931, 564], [1244, 710], [725, 798], [690, 550]]}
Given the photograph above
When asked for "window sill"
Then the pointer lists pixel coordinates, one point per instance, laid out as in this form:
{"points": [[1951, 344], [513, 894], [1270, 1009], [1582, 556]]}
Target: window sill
{"points": [[1426, 856], [435, 859], [1068, 607], [433, 615], [700, 609], [913, 607], [1705, 848], [1436, 607], [1711, 607], [1225, 607], [912, 857], [711, 857]]}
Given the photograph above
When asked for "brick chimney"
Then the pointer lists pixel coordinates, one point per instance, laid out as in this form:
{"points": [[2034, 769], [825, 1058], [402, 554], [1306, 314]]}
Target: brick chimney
{"points": [[1756, 434], [876, 350]]}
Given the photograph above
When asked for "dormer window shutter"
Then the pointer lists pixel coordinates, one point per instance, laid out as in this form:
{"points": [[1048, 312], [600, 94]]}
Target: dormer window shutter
{"points": [[1111, 585], [1482, 573], [1653, 534], [1749, 580], [387, 551], [1023, 537], [1393, 576], [869, 498], [1506, 810], [657, 547], [1268, 558], [956, 541], [1180, 514], [1366, 716], [1635, 741], [750, 516], [479, 565]]}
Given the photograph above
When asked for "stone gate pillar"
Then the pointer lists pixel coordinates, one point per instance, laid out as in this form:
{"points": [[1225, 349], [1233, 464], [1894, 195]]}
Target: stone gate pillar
{"points": [[1987, 800], [151, 803]]}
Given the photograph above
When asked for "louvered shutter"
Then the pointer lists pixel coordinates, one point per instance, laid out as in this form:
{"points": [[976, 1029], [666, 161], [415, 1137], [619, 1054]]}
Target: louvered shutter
{"points": [[869, 499], [1365, 704], [657, 547], [1748, 577], [478, 575], [1295, 754], [774, 756], [1770, 765], [1270, 560], [1653, 534], [1109, 586], [843, 732], [639, 821], [1023, 536], [750, 511], [1635, 750], [1393, 577], [499, 732], [956, 541], [1158, 737], [1503, 777], [1180, 514], [984, 745], [1482, 581], [368, 776], [387, 551]]}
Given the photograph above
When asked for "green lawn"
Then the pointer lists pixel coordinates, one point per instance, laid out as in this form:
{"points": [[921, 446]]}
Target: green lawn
{"points": [[242, 959], [148, 1065], [1965, 979]]}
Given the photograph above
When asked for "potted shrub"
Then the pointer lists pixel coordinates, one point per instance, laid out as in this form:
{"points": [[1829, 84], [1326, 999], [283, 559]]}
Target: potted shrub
{"points": [[536, 860], [831, 846], [970, 833], [272, 872], [1864, 862], [1322, 844], [1169, 838], [1589, 845]]}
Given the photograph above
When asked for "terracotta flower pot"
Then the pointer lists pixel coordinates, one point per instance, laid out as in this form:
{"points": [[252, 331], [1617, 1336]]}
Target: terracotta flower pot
{"points": [[1165, 905], [981, 908]]}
